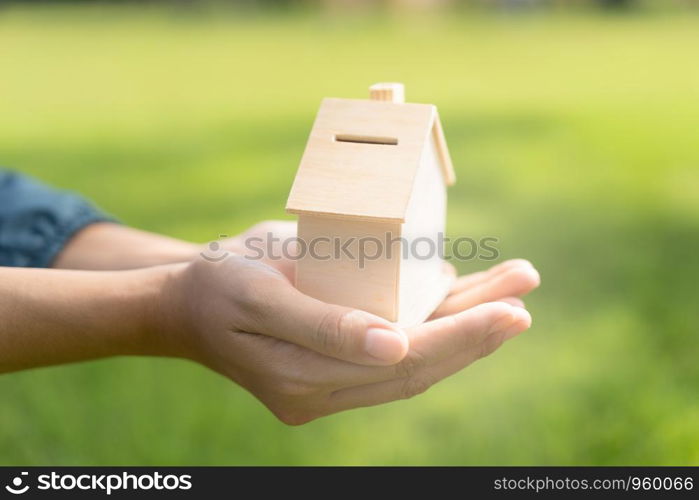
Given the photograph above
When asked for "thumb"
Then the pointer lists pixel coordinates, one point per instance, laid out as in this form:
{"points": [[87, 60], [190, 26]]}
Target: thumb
{"points": [[336, 331]]}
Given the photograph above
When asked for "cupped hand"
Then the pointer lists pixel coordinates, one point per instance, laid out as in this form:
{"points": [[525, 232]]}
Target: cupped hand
{"points": [[305, 359]]}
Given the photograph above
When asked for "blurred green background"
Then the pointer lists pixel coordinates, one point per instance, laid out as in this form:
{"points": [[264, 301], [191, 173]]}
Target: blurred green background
{"points": [[575, 137]]}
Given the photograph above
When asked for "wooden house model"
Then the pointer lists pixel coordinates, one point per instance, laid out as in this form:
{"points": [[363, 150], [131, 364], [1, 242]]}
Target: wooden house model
{"points": [[370, 195]]}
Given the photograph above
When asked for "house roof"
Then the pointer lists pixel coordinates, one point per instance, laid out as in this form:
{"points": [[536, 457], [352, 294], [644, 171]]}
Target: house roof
{"points": [[362, 156]]}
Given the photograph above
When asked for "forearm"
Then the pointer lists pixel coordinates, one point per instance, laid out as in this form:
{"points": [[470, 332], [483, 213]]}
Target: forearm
{"points": [[107, 246], [57, 316]]}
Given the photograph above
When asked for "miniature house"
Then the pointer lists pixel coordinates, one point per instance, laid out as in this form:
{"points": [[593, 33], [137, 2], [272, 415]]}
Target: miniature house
{"points": [[370, 194]]}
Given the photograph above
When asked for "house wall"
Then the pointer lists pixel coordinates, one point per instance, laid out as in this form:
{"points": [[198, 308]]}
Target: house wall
{"points": [[422, 284], [371, 284]]}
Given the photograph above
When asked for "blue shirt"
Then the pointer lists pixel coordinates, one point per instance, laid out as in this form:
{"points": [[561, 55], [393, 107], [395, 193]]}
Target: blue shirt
{"points": [[36, 221]]}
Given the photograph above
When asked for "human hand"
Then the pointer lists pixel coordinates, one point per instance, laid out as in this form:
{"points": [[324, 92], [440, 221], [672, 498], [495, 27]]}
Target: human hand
{"points": [[272, 242], [504, 282], [305, 359]]}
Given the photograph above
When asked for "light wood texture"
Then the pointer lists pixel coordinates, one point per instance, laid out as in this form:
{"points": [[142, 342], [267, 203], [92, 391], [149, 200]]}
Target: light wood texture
{"points": [[391, 92], [371, 179], [373, 288], [366, 181], [422, 284], [403, 286], [443, 152], [374, 169]]}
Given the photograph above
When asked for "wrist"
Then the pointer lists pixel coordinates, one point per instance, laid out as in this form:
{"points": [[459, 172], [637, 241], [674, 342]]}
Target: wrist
{"points": [[165, 325], [144, 293]]}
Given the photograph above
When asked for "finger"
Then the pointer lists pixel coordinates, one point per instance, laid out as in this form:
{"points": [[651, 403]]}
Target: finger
{"points": [[281, 311], [517, 280], [421, 380], [471, 280], [430, 343], [513, 301], [442, 337], [276, 241]]}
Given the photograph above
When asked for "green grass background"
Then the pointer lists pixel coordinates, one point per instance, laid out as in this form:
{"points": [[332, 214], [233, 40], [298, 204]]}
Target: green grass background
{"points": [[575, 139]]}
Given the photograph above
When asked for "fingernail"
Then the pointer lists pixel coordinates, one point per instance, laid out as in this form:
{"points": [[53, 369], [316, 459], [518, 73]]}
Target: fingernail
{"points": [[534, 275], [384, 344], [520, 322]]}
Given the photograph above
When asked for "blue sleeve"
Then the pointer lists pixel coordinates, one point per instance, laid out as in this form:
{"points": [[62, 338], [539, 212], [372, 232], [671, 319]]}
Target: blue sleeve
{"points": [[36, 221]]}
